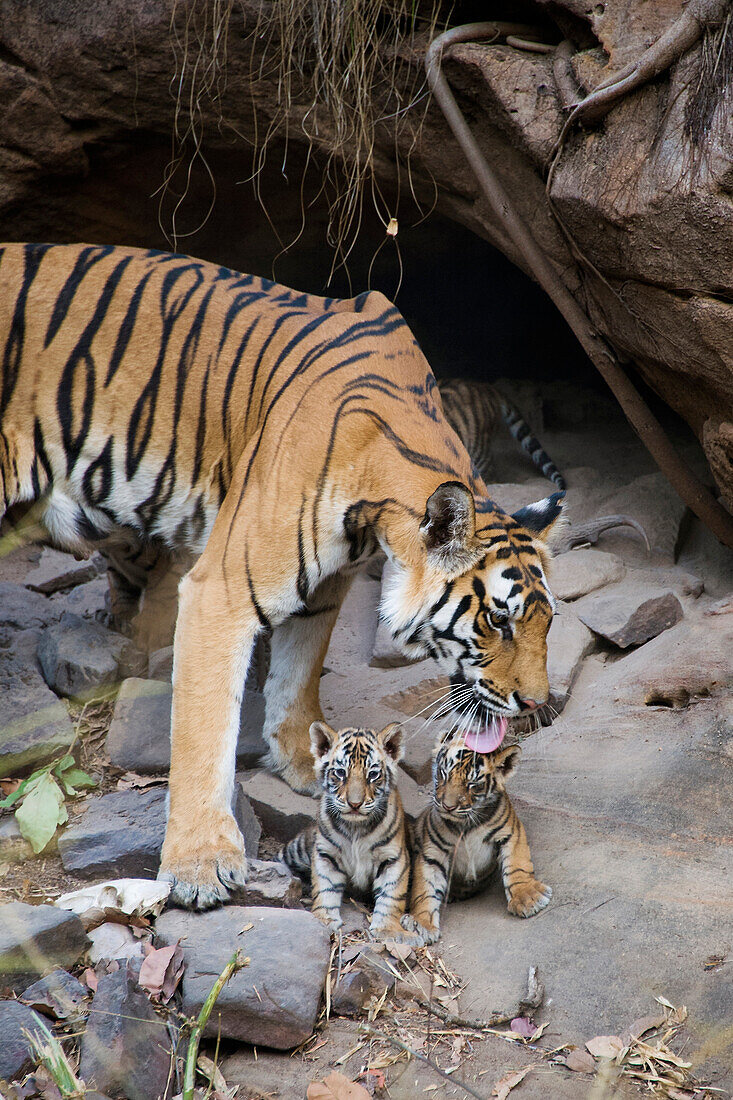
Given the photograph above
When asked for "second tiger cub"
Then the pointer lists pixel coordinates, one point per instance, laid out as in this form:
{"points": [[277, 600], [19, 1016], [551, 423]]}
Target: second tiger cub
{"points": [[458, 839], [360, 838]]}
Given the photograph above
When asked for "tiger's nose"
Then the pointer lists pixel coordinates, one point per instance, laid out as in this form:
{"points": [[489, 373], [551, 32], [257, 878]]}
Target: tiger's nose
{"points": [[355, 805], [529, 704]]}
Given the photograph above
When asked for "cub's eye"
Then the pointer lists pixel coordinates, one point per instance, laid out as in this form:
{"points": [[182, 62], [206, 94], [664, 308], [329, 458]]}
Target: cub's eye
{"points": [[374, 775], [498, 617], [338, 774], [475, 784]]}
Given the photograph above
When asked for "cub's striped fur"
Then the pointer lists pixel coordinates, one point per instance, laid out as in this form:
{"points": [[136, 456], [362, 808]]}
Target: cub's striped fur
{"points": [[458, 838], [474, 409], [360, 838], [181, 416]]}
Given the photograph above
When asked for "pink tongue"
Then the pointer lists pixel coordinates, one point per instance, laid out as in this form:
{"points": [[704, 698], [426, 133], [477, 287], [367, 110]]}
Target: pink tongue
{"points": [[487, 740]]}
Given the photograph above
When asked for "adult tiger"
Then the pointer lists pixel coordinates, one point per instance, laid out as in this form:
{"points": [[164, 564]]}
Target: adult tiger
{"points": [[154, 402]]}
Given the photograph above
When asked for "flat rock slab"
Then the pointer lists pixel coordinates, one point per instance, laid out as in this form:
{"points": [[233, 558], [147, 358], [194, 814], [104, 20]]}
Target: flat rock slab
{"points": [[58, 995], [269, 882], [126, 1049], [281, 811], [24, 610], [14, 848], [34, 725], [581, 571], [79, 659], [629, 613], [568, 643], [139, 737], [57, 571], [16, 1056], [121, 834], [34, 938], [274, 1001]]}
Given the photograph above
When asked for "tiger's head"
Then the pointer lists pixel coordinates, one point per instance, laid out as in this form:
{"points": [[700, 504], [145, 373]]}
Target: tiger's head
{"points": [[468, 783], [473, 594], [357, 769]]}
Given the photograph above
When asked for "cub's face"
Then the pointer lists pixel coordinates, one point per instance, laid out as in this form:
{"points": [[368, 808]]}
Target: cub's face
{"points": [[356, 768], [480, 604], [465, 782]]}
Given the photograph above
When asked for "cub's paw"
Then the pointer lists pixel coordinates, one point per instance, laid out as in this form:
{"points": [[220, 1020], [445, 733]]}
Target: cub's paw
{"points": [[427, 935], [396, 932], [204, 874], [529, 898]]}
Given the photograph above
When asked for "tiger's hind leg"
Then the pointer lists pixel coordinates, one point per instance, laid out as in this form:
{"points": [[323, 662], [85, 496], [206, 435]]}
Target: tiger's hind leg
{"points": [[298, 648], [143, 592]]}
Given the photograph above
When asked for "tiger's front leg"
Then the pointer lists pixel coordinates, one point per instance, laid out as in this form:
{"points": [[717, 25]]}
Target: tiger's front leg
{"points": [[328, 884], [390, 898], [298, 649], [525, 894], [428, 892]]}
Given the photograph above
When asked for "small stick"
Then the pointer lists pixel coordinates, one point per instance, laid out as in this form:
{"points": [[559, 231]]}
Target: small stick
{"points": [[236, 963], [423, 1058], [459, 1021]]}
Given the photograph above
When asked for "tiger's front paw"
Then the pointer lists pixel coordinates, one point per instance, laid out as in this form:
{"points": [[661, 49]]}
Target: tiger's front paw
{"points": [[529, 898], [427, 935], [204, 872], [394, 930]]}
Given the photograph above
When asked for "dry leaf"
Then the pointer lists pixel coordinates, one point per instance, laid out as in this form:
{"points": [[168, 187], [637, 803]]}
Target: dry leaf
{"points": [[336, 1087], [509, 1081], [522, 1026], [580, 1061], [679, 1094], [9, 786], [161, 971], [605, 1046], [400, 951], [90, 979], [646, 1023]]}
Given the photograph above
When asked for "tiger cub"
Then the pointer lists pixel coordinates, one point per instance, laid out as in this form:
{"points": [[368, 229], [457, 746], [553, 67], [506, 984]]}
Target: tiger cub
{"points": [[458, 838], [360, 837], [474, 410]]}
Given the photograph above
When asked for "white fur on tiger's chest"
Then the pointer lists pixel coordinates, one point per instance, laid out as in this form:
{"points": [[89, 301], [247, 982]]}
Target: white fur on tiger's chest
{"points": [[357, 859], [473, 859]]}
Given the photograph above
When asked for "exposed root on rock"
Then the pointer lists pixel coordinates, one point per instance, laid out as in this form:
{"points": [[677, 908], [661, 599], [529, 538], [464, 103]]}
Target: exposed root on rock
{"points": [[588, 533]]}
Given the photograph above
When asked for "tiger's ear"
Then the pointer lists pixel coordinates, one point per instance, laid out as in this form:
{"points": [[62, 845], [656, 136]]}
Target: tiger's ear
{"points": [[506, 760], [448, 527], [390, 738], [543, 519], [323, 738]]}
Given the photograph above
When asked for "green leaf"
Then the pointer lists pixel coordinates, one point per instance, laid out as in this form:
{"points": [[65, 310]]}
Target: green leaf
{"points": [[75, 779], [26, 785], [41, 812], [64, 764]]}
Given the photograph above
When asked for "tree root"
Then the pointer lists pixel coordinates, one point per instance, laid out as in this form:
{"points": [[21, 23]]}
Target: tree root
{"points": [[599, 351]]}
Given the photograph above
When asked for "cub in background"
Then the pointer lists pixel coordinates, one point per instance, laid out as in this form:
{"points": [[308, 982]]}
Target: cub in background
{"points": [[458, 839], [360, 837]]}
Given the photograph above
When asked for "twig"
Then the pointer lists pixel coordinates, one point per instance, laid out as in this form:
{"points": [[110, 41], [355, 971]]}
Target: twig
{"points": [[422, 1057], [460, 1021], [236, 963]]}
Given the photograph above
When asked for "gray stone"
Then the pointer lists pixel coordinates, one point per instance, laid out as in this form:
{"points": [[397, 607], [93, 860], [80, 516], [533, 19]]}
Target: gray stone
{"points": [[80, 659], [653, 502], [281, 811], [568, 643], [16, 1055], [126, 1049], [88, 600], [629, 613], [57, 571], [160, 664], [139, 736], [24, 610], [59, 995], [14, 848], [248, 822], [34, 725], [269, 882], [581, 571], [365, 976], [121, 834], [274, 1001], [34, 938]]}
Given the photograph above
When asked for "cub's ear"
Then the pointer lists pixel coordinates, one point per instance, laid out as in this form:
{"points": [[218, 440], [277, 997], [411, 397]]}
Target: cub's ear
{"points": [[390, 738], [506, 760], [323, 738], [543, 519], [448, 527]]}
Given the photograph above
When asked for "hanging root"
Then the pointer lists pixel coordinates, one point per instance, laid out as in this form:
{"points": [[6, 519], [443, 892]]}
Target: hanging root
{"points": [[676, 40], [582, 534]]}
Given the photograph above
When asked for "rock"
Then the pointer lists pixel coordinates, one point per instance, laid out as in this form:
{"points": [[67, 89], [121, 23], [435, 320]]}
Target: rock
{"points": [[126, 1049], [581, 571], [16, 1056], [57, 571], [568, 643], [269, 882], [160, 664], [14, 848], [121, 834], [249, 824], [281, 811], [630, 613], [88, 600], [139, 736], [653, 502], [79, 659], [58, 995], [274, 1001], [367, 976], [24, 610], [34, 938], [113, 941], [34, 725]]}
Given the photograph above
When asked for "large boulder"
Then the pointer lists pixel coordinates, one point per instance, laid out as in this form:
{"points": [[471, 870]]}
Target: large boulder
{"points": [[35, 938]]}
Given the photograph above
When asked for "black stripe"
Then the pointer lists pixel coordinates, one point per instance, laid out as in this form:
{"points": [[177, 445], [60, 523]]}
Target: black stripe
{"points": [[14, 345], [85, 261]]}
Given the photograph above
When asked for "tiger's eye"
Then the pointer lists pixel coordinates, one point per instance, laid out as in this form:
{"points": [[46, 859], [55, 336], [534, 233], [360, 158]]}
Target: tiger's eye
{"points": [[498, 617]]}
